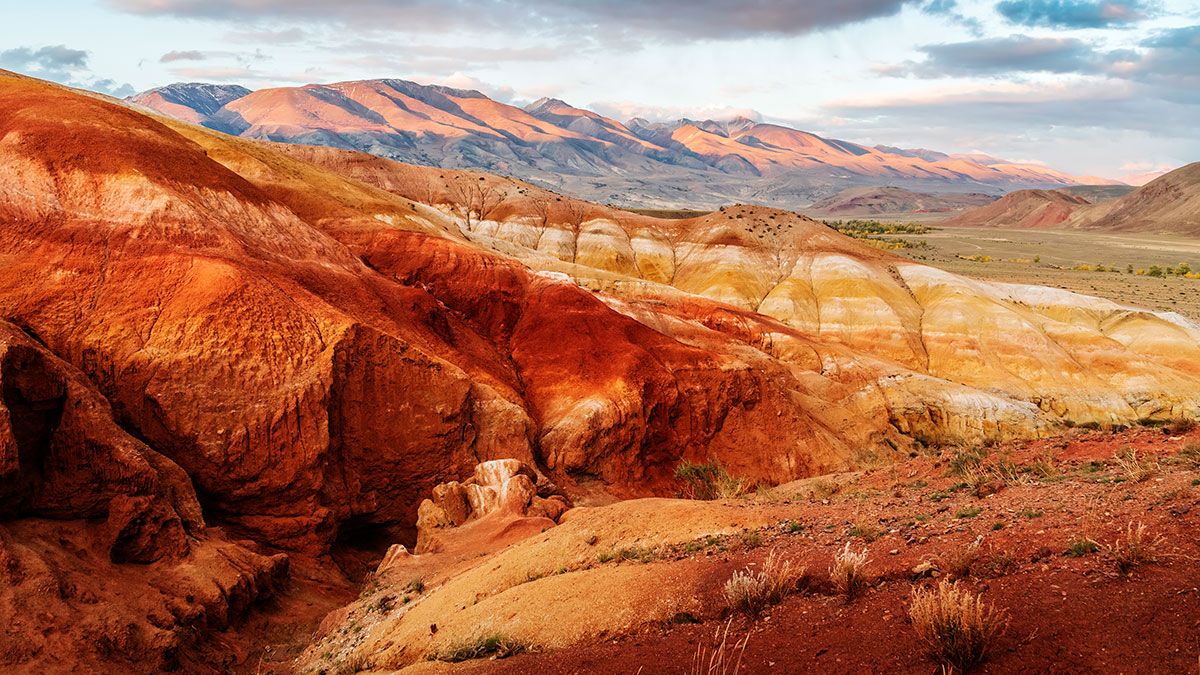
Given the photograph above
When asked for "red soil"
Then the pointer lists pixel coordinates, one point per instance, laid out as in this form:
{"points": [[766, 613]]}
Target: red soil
{"points": [[1068, 614]]}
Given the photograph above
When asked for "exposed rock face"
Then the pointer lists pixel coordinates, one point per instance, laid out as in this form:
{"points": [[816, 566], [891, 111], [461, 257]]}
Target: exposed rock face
{"points": [[504, 487], [104, 554]]}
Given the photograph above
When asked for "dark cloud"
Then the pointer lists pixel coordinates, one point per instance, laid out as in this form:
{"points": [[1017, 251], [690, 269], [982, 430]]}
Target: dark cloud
{"points": [[191, 55], [719, 19], [52, 59], [60, 63], [1074, 13], [1002, 56]]}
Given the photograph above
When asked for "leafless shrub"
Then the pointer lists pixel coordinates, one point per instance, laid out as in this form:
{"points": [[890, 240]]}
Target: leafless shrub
{"points": [[955, 625], [847, 573], [1133, 548], [752, 592], [1135, 468], [958, 563]]}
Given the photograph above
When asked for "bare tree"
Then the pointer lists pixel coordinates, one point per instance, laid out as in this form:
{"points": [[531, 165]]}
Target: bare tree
{"points": [[575, 216], [475, 197], [540, 204]]}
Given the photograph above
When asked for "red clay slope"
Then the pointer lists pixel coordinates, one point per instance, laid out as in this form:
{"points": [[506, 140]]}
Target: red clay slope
{"points": [[1031, 209]]}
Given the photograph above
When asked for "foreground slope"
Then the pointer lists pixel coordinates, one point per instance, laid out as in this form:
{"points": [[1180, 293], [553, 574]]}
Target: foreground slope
{"points": [[316, 337], [640, 586]]}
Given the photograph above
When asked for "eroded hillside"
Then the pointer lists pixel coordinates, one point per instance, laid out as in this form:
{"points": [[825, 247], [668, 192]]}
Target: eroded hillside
{"points": [[311, 339]]}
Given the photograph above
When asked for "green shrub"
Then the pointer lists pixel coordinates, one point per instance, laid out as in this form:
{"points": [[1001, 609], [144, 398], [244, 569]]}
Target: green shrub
{"points": [[707, 481]]}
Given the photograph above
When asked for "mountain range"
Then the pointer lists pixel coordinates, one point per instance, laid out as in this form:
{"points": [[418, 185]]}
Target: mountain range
{"points": [[693, 163]]}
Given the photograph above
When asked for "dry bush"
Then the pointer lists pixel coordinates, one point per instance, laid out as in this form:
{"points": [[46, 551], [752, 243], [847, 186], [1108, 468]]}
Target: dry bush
{"points": [[1189, 456], [958, 563], [1135, 547], [722, 658], [1179, 427], [1136, 469], [495, 645], [707, 481], [752, 592], [955, 625], [847, 573]]}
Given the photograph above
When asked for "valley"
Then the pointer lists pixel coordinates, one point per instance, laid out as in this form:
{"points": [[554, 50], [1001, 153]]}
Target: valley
{"points": [[1068, 259]]}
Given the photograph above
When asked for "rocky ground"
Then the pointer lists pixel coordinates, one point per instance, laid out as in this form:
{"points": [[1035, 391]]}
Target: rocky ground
{"points": [[1013, 528]]}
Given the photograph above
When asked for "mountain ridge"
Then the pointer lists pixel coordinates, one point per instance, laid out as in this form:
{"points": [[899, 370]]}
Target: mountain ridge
{"points": [[555, 144]]}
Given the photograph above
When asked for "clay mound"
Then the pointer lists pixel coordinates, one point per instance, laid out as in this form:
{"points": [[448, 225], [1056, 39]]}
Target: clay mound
{"points": [[868, 201], [1167, 204], [1027, 209]]}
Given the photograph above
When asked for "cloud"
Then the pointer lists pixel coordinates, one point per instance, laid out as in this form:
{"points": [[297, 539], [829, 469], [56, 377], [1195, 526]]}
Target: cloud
{"points": [[279, 37], [1001, 56], [718, 19], [503, 94], [625, 110], [1074, 13], [173, 56], [62, 64], [52, 59]]}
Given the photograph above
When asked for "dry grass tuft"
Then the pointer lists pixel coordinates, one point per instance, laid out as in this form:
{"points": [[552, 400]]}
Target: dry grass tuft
{"points": [[847, 573], [707, 481], [955, 625], [721, 659], [1134, 548], [1135, 468], [494, 645], [752, 592], [959, 562]]}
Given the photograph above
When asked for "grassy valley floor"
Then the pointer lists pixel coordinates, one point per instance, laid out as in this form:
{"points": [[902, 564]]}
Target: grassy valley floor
{"points": [[1059, 253]]}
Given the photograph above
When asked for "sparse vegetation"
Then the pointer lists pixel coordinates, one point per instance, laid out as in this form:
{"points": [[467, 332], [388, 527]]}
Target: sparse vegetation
{"points": [[495, 645], [752, 592], [872, 231], [1081, 546], [965, 461], [722, 658], [958, 563], [1189, 456], [968, 512], [707, 481], [1135, 468], [1133, 548], [956, 626], [848, 571]]}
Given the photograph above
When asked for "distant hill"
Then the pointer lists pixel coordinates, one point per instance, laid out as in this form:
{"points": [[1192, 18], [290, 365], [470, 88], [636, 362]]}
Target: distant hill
{"points": [[1098, 193], [876, 201], [1167, 204], [1023, 209], [680, 164]]}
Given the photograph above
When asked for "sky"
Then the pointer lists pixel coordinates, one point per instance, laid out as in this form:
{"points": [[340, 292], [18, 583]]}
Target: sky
{"points": [[1093, 87]]}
